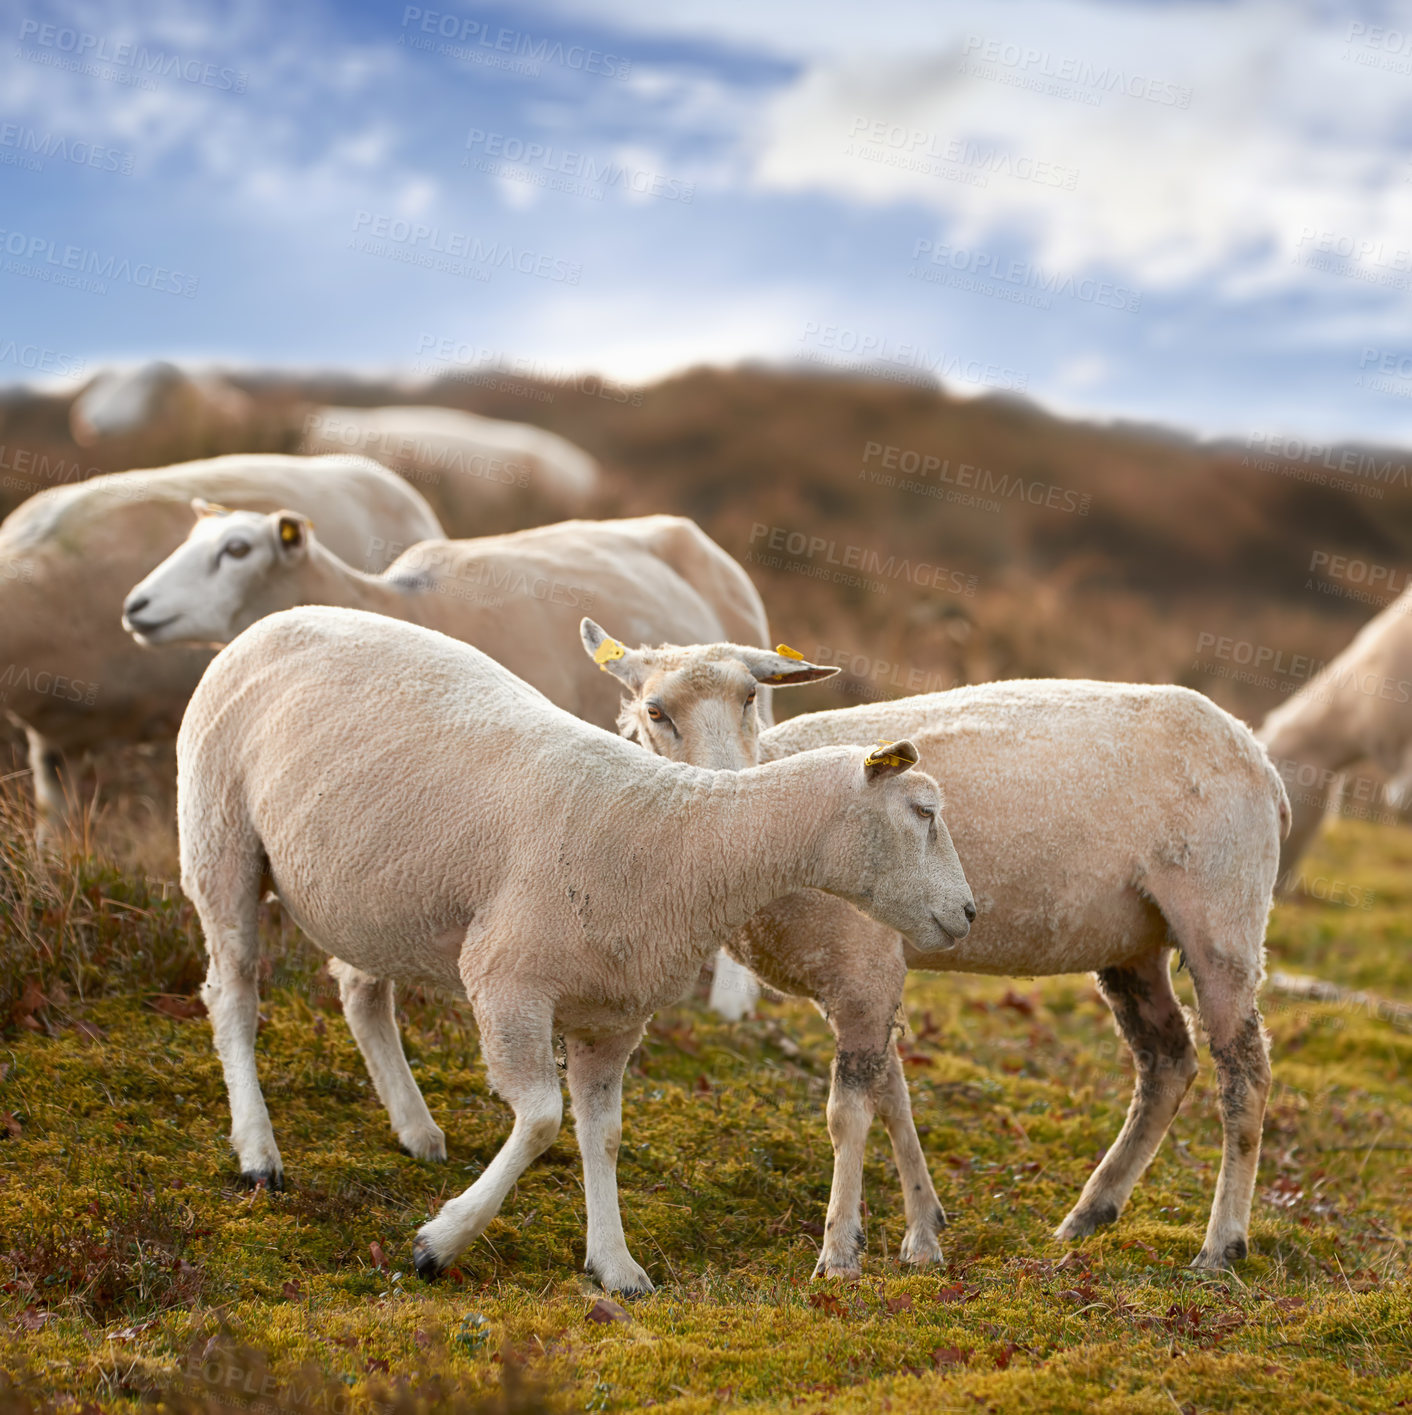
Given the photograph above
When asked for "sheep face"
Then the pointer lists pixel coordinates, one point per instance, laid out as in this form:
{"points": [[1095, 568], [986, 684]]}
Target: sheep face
{"points": [[697, 704], [223, 577], [914, 882]]}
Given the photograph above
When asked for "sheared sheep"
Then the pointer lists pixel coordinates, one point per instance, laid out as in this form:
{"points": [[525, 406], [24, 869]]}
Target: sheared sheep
{"points": [[481, 475], [428, 816], [71, 678], [1355, 709], [1101, 825]]}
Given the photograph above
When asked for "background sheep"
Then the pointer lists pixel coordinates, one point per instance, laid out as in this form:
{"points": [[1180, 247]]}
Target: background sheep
{"points": [[1358, 708], [428, 816], [481, 475], [73, 679], [1100, 825]]}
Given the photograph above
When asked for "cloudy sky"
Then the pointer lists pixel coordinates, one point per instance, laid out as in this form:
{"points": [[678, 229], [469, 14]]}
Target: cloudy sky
{"points": [[1199, 214]]}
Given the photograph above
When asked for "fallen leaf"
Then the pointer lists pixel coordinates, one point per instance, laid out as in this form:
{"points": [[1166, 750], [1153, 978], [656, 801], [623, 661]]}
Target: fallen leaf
{"points": [[9, 1124], [32, 1319], [291, 1290], [826, 1302], [1018, 1002], [132, 1332], [379, 1257], [606, 1310], [950, 1356], [182, 1008], [377, 1363], [900, 1304], [89, 1031]]}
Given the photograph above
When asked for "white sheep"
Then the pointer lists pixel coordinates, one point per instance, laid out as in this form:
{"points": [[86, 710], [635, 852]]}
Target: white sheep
{"points": [[517, 597], [428, 816], [1101, 825], [1356, 709], [71, 678], [481, 475]]}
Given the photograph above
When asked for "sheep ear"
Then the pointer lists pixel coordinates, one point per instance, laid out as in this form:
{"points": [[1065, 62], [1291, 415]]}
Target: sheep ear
{"points": [[610, 655], [890, 759], [785, 668], [291, 533], [202, 507]]}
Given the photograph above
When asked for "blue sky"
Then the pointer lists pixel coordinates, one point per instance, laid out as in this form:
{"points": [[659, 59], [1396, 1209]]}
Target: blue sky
{"points": [[1199, 214]]}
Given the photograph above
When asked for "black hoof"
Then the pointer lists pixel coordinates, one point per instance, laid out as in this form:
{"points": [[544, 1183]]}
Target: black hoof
{"points": [[1237, 1250], [271, 1179], [428, 1269]]}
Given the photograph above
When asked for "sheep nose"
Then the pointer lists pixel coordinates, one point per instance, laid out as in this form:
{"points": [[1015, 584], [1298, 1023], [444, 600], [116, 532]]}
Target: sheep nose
{"points": [[970, 913], [135, 606]]}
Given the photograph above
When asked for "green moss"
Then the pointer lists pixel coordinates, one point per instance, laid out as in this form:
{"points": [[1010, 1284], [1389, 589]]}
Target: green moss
{"points": [[132, 1265]]}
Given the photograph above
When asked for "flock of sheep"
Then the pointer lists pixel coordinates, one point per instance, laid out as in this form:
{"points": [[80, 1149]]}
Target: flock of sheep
{"points": [[450, 774]]}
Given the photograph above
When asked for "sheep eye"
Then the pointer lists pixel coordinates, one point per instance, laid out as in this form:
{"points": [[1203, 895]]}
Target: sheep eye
{"points": [[237, 549], [656, 713], [751, 698], [927, 813]]}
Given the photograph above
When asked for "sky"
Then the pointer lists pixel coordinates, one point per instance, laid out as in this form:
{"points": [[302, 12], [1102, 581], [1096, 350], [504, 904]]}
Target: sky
{"points": [[1195, 214]]}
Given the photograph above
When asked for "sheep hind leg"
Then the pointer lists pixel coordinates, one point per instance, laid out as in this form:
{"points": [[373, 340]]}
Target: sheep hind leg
{"points": [[925, 1216], [224, 884], [596, 1089], [518, 1046], [51, 806], [369, 1011], [1155, 1027]]}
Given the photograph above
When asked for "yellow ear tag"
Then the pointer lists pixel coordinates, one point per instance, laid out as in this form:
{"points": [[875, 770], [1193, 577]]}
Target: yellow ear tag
{"points": [[606, 652], [884, 758], [785, 651], [288, 532]]}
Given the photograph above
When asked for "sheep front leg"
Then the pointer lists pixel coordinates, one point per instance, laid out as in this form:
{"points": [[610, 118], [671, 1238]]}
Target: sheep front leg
{"points": [[51, 808], [925, 1216], [596, 1089], [856, 1075], [371, 1017], [518, 1046]]}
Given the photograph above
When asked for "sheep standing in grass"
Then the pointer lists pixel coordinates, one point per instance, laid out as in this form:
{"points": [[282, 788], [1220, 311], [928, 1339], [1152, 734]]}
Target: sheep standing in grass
{"points": [[68, 674], [1358, 708], [1101, 825], [517, 597], [426, 815]]}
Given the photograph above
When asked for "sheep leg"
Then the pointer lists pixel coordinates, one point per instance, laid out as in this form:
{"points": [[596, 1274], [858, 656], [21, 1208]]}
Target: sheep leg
{"points": [[517, 1043], [733, 989], [1225, 995], [369, 1011], [51, 808], [233, 1004], [925, 1216], [1155, 1027], [596, 1089]]}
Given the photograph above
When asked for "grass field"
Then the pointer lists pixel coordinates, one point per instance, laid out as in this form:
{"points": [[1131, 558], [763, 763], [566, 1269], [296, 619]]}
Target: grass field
{"points": [[132, 1269]]}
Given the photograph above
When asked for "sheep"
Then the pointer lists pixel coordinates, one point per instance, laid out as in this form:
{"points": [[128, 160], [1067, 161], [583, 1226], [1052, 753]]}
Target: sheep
{"points": [[1101, 824], [72, 680], [427, 816], [481, 475], [1355, 709], [518, 597]]}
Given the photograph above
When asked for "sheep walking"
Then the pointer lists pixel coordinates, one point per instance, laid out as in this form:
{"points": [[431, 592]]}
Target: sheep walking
{"points": [[1357, 708], [1102, 826], [72, 679], [425, 815]]}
